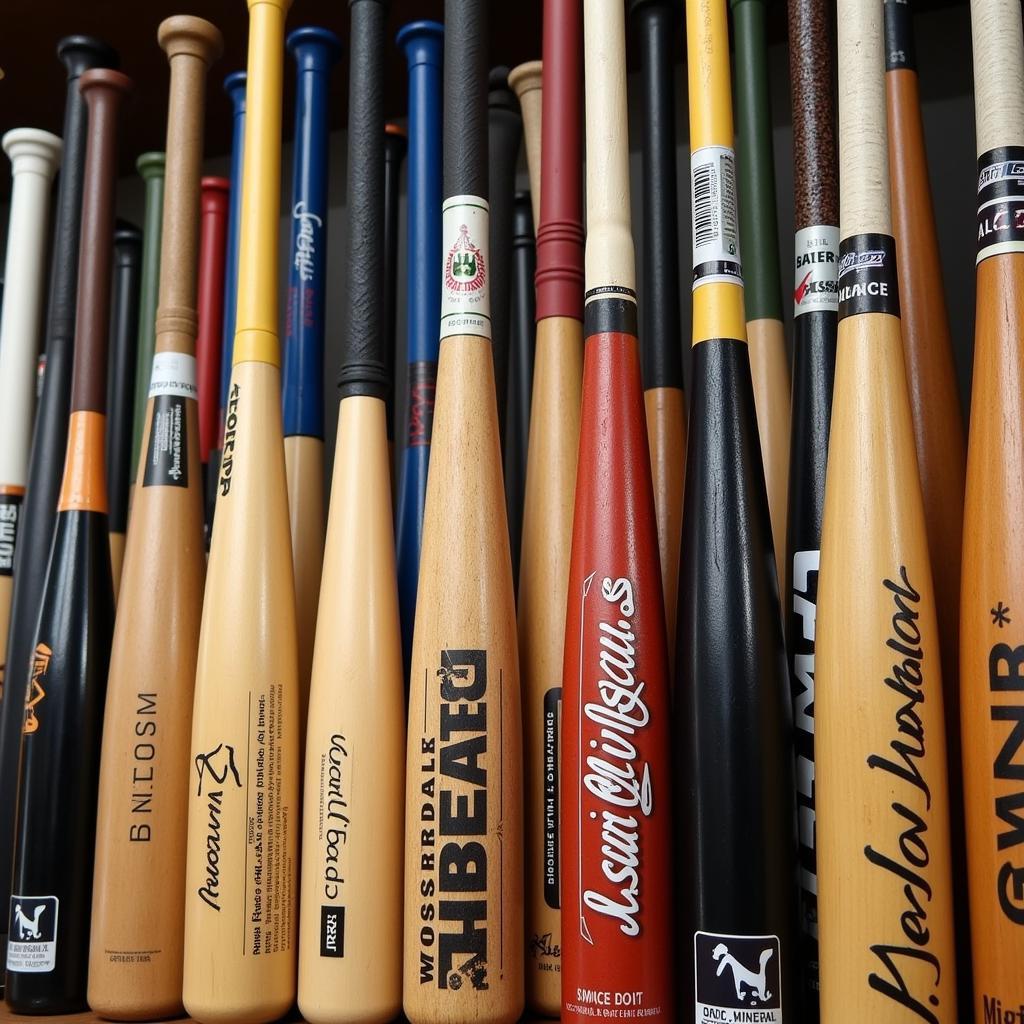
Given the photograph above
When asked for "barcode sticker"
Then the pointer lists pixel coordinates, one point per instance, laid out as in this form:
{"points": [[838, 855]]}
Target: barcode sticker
{"points": [[716, 237]]}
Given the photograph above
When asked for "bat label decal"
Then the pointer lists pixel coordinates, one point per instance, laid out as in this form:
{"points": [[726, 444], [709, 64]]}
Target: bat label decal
{"points": [[465, 298], [32, 934], [143, 771], [816, 285], [716, 235], [1000, 202], [166, 459], [218, 766], [307, 226], [867, 275], [422, 386], [552, 758], [455, 811], [227, 457], [36, 693], [335, 799], [737, 978], [906, 854], [1006, 676], [10, 511]]}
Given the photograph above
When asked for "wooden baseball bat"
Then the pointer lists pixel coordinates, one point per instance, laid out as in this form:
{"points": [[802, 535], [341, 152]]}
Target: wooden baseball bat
{"points": [[151, 167], [661, 330], [124, 328], [522, 336], [616, 809], [759, 240], [234, 86], [991, 693], [136, 948], [885, 906], [48, 945], [526, 82], [241, 864], [734, 785], [215, 198], [350, 923], [550, 476], [315, 50], [49, 439], [938, 438], [35, 157], [422, 42], [395, 147], [815, 306], [464, 852]]}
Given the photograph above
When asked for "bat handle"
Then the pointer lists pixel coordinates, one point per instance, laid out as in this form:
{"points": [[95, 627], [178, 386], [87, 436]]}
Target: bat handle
{"points": [[465, 125], [998, 73]]}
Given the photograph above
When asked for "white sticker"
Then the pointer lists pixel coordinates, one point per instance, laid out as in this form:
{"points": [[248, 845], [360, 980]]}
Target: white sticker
{"points": [[174, 373], [737, 978], [716, 233], [32, 940], [816, 270], [465, 289]]}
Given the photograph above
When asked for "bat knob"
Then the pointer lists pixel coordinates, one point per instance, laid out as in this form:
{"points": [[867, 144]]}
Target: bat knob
{"points": [[104, 82], [314, 48], [524, 78], [77, 53], [151, 165], [196, 37]]}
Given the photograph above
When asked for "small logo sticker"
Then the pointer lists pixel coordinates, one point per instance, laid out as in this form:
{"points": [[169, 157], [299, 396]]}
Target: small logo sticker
{"points": [[737, 974], [332, 931], [32, 936], [465, 296]]}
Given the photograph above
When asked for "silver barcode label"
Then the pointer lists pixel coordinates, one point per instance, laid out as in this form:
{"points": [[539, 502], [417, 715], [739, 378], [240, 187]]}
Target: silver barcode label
{"points": [[716, 236]]}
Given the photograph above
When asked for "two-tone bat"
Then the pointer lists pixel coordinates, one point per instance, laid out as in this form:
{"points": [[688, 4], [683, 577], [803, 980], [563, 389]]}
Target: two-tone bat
{"points": [[885, 903], [616, 807], [935, 406], [759, 239], [395, 146], [350, 917], [151, 168], [124, 332], [39, 510], [735, 792], [422, 42], [550, 476], [48, 938], [991, 646], [136, 947], [661, 332], [214, 200], [815, 306], [243, 814], [315, 51], [234, 86], [463, 948], [526, 81], [504, 134], [35, 157]]}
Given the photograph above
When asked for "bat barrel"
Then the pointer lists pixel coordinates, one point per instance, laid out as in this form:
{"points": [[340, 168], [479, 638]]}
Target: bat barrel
{"points": [[316, 51], [525, 81], [215, 198], [395, 147], [234, 86]]}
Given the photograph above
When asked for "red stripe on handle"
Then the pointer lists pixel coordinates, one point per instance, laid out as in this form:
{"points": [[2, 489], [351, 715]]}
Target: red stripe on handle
{"points": [[210, 308]]}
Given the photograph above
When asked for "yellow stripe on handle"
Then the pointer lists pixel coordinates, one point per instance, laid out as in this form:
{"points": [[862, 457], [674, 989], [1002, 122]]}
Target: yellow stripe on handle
{"points": [[718, 310], [863, 140], [610, 259], [256, 337], [998, 73]]}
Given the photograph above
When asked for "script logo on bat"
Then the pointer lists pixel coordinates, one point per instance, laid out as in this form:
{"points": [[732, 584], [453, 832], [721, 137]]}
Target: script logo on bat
{"points": [[216, 768], [464, 269], [305, 241], [227, 460], [36, 694], [852, 261]]}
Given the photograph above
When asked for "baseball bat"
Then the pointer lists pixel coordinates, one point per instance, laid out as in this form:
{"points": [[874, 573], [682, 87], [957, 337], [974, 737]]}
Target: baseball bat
{"points": [[991, 695], [885, 907], [315, 51], [124, 328], [137, 927], [661, 332], [938, 436], [551, 478], [241, 862], [151, 167], [616, 814], [815, 307], [422, 42], [49, 439], [522, 330], [350, 919], [35, 157], [735, 791], [526, 82], [48, 940], [762, 282], [234, 86], [395, 146], [504, 134], [463, 954], [215, 197]]}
